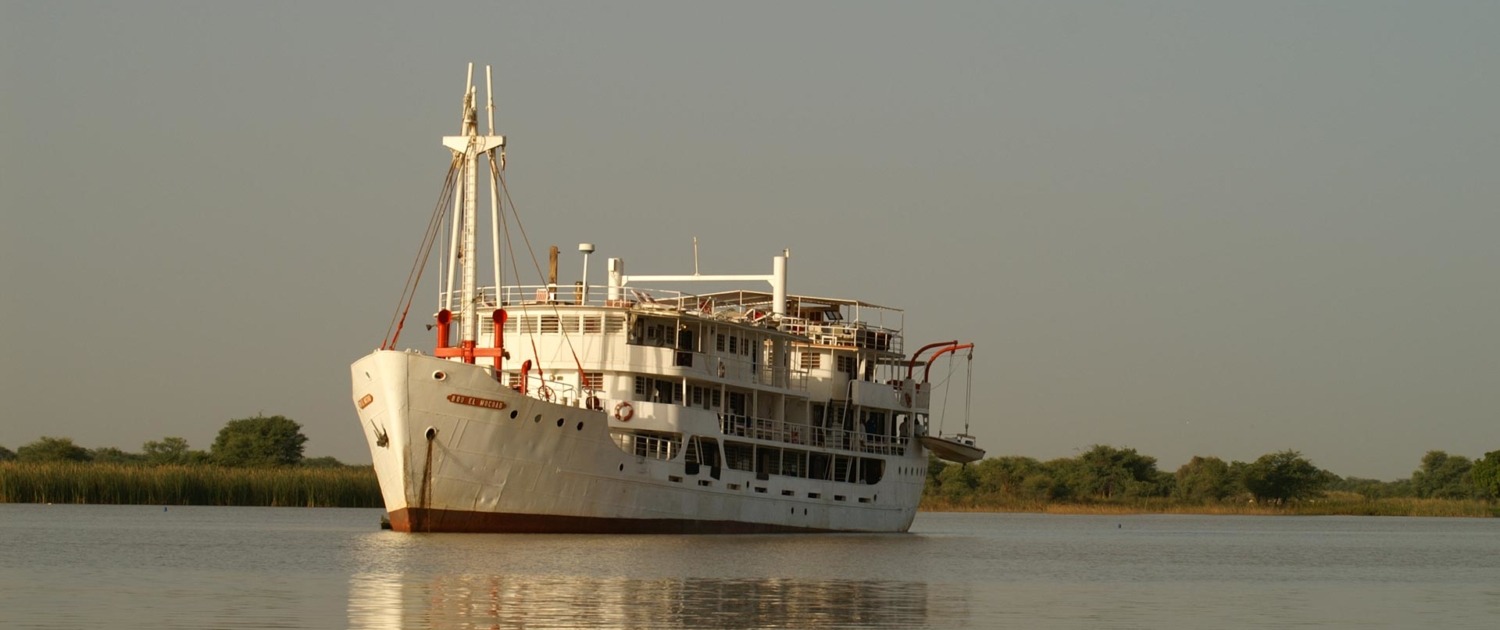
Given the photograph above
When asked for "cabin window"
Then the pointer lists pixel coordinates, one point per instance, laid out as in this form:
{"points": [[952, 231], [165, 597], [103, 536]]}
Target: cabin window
{"points": [[739, 456], [873, 422], [512, 379], [737, 403], [593, 381], [811, 360], [570, 324], [593, 324], [549, 324], [847, 365], [656, 390], [734, 345], [652, 444], [719, 342], [871, 470]]}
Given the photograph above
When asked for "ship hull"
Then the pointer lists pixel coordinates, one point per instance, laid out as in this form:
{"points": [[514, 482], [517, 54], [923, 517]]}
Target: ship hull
{"points": [[455, 451], [456, 521]]}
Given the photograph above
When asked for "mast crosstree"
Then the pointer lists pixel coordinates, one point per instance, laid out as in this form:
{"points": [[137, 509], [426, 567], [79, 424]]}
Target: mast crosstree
{"points": [[467, 147]]}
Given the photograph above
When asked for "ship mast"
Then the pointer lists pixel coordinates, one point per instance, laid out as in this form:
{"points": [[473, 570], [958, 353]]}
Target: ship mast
{"points": [[467, 147]]}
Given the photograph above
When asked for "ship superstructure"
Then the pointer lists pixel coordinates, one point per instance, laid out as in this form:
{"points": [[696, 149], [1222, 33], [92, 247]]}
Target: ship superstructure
{"points": [[627, 407]]}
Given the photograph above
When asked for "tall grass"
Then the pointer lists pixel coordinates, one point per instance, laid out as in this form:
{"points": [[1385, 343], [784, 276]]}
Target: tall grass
{"points": [[1336, 503], [187, 485]]}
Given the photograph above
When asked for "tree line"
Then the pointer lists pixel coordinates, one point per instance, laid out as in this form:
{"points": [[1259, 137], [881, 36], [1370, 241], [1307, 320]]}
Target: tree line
{"points": [[259, 441], [1106, 474]]}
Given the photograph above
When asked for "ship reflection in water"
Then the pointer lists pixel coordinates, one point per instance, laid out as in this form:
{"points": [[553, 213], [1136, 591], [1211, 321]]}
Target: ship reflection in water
{"points": [[549, 601]]}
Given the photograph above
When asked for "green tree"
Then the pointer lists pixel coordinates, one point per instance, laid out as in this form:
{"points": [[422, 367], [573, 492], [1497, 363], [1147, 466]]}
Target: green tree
{"points": [[1284, 476], [1443, 476], [322, 462], [1013, 477], [51, 449], [1106, 472], [1485, 476], [1204, 479], [6, 454], [1372, 488], [259, 441], [958, 482], [112, 455], [170, 450]]}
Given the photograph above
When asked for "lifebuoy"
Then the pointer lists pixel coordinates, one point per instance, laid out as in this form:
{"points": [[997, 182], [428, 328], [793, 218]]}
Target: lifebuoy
{"points": [[624, 412], [594, 403], [545, 393]]}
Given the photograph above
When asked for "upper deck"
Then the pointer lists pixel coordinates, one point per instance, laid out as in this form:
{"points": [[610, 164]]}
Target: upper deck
{"points": [[820, 321]]}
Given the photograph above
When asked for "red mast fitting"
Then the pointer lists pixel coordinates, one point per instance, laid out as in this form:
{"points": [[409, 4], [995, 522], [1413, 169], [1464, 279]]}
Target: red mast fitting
{"points": [[468, 349]]}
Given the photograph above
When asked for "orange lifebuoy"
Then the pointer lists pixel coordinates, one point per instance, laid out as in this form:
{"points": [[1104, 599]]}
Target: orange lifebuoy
{"points": [[624, 412]]}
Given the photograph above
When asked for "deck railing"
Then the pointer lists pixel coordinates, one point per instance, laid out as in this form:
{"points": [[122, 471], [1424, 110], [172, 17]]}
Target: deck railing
{"points": [[850, 333], [801, 434]]}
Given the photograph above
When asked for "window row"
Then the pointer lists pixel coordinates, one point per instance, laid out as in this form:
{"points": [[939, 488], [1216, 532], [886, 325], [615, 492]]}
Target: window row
{"points": [[586, 324]]}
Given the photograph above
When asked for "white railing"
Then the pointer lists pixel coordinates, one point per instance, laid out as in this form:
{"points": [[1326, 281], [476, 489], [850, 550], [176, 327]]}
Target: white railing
{"points": [[647, 444], [846, 334], [851, 333], [789, 433]]}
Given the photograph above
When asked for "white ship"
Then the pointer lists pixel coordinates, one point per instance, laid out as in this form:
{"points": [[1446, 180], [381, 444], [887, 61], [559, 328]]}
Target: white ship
{"points": [[629, 408]]}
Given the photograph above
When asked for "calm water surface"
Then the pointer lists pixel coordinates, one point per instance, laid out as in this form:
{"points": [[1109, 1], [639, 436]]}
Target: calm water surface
{"points": [[143, 567]]}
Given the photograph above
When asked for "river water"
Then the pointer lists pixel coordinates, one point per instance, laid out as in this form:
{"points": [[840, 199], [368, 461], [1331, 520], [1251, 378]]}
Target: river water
{"points": [[68, 566]]}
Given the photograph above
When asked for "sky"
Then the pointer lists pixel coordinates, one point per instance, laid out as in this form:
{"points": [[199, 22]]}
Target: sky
{"points": [[1189, 228]]}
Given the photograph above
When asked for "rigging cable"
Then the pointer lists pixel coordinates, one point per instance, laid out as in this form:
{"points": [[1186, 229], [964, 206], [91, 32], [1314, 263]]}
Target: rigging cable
{"points": [[947, 387], [968, 390], [414, 276], [496, 176]]}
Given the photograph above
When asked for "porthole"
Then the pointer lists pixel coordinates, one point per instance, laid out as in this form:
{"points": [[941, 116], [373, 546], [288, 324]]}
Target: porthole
{"points": [[431, 433], [439, 376], [622, 467], [580, 425], [537, 419], [513, 414], [560, 422]]}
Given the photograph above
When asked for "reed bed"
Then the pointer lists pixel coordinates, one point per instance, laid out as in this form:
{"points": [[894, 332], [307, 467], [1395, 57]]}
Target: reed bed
{"points": [[1336, 504], [188, 485]]}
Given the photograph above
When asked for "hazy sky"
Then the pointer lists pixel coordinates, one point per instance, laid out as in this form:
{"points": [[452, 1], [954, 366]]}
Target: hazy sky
{"points": [[1188, 228]]}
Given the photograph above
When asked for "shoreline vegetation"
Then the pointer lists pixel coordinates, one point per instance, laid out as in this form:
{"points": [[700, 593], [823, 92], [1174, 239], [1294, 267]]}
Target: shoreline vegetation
{"points": [[356, 486], [259, 461], [1334, 504], [187, 484]]}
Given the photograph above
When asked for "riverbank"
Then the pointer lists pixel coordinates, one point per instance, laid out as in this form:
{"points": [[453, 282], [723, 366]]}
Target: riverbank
{"points": [[356, 486], [125, 484], [1334, 504]]}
